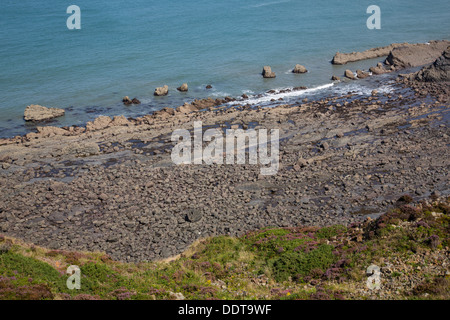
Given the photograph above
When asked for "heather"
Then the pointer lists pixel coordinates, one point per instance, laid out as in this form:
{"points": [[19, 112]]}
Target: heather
{"points": [[410, 244]]}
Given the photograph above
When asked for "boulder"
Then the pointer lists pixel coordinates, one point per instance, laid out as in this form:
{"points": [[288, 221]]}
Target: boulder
{"points": [[99, 123], [194, 215], [183, 87], [361, 74], [120, 121], [335, 78], [438, 71], [379, 69], [208, 102], [170, 111], [186, 108], [161, 91], [299, 69], [51, 131], [349, 74], [126, 100], [267, 72], [164, 113], [36, 112], [208, 86]]}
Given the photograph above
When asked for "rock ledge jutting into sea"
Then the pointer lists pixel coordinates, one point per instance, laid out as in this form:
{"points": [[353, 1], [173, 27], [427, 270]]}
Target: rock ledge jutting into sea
{"points": [[36, 112]]}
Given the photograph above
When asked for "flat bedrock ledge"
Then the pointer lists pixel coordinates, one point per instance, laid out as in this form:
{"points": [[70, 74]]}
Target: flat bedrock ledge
{"points": [[36, 112], [344, 58], [409, 55]]}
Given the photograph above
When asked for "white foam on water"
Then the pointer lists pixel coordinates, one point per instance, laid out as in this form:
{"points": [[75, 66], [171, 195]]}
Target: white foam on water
{"points": [[269, 3], [363, 90], [220, 94], [277, 95]]}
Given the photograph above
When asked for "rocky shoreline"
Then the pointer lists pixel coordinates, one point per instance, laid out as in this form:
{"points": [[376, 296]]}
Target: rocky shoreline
{"points": [[111, 186]]}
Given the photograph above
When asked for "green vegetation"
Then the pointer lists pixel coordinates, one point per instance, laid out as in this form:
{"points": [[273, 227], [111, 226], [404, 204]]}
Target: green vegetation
{"points": [[272, 263]]}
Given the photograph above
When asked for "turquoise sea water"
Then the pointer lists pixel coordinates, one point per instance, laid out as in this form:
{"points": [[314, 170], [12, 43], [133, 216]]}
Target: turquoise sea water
{"points": [[129, 48]]}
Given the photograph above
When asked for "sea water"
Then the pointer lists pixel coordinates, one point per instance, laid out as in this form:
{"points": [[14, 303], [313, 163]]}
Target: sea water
{"points": [[128, 48]]}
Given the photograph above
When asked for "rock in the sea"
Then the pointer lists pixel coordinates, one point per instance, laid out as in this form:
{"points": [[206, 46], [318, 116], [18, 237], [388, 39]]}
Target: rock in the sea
{"points": [[361, 74], [36, 112], [161, 91], [183, 87], [268, 73], [126, 100], [343, 58], [208, 86], [335, 78], [349, 74], [379, 69], [299, 69], [438, 71]]}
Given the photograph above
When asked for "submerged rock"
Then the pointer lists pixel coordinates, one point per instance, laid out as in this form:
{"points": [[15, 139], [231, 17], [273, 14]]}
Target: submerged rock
{"points": [[36, 112]]}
